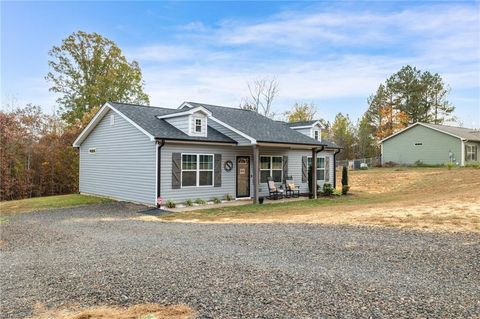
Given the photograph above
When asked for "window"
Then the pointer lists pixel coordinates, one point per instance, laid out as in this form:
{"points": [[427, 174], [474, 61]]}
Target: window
{"points": [[471, 153], [316, 134], [320, 167], [112, 119], [271, 166], [418, 144], [197, 170], [198, 125], [92, 151]]}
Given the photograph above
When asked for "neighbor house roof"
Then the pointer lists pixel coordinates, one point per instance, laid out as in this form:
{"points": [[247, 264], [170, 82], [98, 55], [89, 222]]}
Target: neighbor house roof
{"points": [[463, 133], [302, 123], [150, 120]]}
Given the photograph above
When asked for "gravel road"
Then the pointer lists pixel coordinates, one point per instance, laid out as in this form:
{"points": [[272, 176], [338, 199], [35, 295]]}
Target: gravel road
{"points": [[101, 255]]}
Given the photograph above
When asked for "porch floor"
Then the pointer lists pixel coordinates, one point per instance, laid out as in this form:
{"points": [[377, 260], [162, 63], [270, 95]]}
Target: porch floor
{"points": [[237, 202]]}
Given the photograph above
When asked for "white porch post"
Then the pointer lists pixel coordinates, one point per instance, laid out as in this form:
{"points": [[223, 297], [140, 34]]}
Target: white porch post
{"points": [[255, 173], [314, 172]]}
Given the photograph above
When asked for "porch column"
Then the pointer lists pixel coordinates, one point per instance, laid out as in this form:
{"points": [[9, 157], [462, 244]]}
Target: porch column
{"points": [[255, 174], [314, 172]]}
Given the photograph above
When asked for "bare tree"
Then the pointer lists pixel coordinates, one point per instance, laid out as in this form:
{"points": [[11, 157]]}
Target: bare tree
{"points": [[262, 93]]}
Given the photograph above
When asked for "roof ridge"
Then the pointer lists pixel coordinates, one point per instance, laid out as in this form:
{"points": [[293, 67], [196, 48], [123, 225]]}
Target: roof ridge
{"points": [[454, 126]]}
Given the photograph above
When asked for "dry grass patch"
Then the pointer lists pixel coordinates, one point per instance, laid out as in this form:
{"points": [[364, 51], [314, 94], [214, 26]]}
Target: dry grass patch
{"points": [[420, 198], [142, 311]]}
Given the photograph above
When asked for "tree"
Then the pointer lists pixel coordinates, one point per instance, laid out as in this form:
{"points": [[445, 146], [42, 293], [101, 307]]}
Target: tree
{"points": [[88, 70], [343, 134], [262, 94], [435, 98], [365, 139], [301, 112]]}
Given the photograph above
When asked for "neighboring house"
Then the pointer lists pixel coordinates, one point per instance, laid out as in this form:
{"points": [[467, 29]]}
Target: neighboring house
{"points": [[432, 144], [139, 153]]}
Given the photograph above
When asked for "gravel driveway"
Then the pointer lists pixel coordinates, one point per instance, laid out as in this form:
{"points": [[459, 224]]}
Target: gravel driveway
{"points": [[101, 255]]}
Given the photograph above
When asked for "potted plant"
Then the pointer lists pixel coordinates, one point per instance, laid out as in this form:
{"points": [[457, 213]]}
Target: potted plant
{"points": [[261, 199]]}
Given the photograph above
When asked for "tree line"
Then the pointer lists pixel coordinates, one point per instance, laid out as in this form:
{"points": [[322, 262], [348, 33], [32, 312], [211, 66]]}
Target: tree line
{"points": [[87, 70]]}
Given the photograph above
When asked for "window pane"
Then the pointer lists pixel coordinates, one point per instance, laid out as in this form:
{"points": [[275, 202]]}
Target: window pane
{"points": [[206, 178], [264, 162], [189, 178], [264, 175], [320, 175], [320, 163], [189, 162], [277, 176], [206, 162], [277, 162], [309, 162]]}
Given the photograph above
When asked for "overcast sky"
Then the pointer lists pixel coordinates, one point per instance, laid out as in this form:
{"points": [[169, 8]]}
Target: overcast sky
{"points": [[332, 54]]}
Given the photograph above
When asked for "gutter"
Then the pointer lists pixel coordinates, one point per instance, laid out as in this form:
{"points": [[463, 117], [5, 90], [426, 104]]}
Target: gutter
{"points": [[335, 168], [159, 163]]}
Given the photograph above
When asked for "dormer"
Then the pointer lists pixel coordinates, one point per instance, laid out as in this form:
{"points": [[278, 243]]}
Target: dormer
{"points": [[191, 121], [312, 129]]}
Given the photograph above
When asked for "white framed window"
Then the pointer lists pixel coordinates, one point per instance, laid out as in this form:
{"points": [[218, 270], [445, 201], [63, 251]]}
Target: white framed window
{"points": [[112, 119], [471, 153], [418, 144], [198, 126], [320, 167], [271, 166], [197, 170], [316, 135], [92, 151]]}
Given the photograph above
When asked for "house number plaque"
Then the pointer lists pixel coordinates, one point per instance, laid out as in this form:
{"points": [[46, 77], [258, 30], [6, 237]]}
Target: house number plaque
{"points": [[228, 166]]}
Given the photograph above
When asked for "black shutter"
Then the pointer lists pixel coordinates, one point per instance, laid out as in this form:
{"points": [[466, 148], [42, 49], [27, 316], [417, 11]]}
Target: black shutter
{"points": [[176, 170], [285, 168], [327, 168], [304, 169], [217, 168]]}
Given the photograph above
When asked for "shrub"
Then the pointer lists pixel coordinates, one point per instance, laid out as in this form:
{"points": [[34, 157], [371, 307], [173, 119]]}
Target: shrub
{"points": [[189, 202], [216, 200], [418, 163], [200, 201], [229, 197], [344, 176], [472, 164], [328, 189], [345, 189], [170, 204], [449, 165]]}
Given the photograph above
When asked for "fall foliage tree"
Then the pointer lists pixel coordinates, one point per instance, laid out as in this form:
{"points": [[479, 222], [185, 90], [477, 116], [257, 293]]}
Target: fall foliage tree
{"points": [[88, 70], [301, 112]]}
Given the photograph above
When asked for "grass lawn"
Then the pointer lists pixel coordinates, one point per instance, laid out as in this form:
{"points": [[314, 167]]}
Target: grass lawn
{"points": [[424, 198], [49, 202]]}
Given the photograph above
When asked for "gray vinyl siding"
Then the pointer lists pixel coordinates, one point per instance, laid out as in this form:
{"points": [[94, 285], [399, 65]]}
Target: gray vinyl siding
{"points": [[305, 131], [225, 131], [228, 178], [181, 123], [435, 147], [123, 166]]}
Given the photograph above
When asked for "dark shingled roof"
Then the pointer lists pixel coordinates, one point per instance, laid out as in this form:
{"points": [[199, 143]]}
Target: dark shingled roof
{"points": [[301, 123], [251, 123], [145, 117], [466, 133]]}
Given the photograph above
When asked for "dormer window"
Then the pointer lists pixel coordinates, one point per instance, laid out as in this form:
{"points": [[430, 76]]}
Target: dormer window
{"points": [[198, 125], [316, 134]]}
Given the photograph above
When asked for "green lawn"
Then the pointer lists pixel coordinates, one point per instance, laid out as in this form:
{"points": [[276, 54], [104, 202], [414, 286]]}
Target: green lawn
{"points": [[49, 202]]}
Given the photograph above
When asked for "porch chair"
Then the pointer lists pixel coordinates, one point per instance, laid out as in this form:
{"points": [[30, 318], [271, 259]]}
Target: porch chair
{"points": [[291, 190], [273, 191]]}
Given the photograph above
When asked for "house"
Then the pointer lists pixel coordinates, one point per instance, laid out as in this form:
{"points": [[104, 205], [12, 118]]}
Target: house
{"points": [[140, 153], [432, 144]]}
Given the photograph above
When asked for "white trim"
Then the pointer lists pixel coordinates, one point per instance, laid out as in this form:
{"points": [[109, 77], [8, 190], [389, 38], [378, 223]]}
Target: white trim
{"points": [[251, 139], [462, 159], [324, 167], [271, 169], [156, 173], [197, 170], [307, 126], [424, 125], [187, 112], [100, 114]]}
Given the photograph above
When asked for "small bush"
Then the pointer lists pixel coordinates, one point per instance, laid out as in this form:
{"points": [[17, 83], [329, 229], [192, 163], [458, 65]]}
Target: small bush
{"points": [[449, 165], [200, 201], [189, 202], [229, 197], [216, 200], [472, 164], [170, 204], [418, 163], [345, 176], [328, 189]]}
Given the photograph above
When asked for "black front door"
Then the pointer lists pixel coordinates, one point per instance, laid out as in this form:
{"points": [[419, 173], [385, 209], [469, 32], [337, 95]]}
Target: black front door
{"points": [[243, 176]]}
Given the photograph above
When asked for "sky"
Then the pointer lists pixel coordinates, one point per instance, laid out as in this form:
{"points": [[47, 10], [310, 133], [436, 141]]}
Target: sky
{"points": [[332, 54]]}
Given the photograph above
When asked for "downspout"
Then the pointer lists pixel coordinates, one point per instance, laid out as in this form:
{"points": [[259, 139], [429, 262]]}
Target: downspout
{"points": [[159, 171], [335, 168]]}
